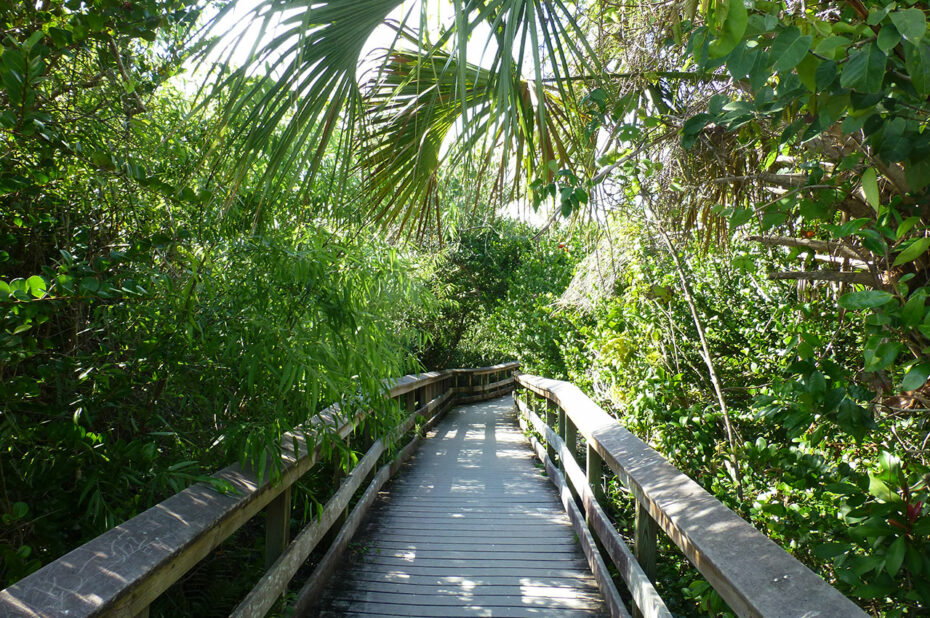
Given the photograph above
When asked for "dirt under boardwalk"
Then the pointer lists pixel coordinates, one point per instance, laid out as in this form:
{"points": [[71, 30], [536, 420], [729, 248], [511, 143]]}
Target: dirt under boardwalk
{"points": [[469, 527]]}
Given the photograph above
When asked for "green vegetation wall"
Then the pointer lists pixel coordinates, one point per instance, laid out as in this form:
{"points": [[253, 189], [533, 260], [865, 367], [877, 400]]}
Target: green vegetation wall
{"points": [[150, 330]]}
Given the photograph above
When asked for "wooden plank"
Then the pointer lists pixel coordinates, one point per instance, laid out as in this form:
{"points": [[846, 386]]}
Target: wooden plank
{"points": [[313, 588], [384, 543], [427, 598], [753, 575], [575, 580], [468, 609], [477, 572], [489, 590]]}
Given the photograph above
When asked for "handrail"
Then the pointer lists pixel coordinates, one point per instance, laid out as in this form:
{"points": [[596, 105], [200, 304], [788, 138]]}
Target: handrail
{"points": [[126, 568], [751, 573]]}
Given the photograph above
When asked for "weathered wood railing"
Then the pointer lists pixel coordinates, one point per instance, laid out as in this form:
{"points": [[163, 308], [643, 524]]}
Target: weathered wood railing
{"points": [[123, 570], [749, 571]]}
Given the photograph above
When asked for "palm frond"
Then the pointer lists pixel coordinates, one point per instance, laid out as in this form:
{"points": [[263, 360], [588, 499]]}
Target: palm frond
{"points": [[308, 88]]}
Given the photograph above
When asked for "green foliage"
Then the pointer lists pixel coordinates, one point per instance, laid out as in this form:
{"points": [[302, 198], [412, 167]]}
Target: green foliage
{"points": [[153, 328], [814, 446], [497, 287]]}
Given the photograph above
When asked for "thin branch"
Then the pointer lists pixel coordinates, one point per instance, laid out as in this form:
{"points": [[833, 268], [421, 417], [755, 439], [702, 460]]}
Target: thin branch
{"points": [[781, 180], [826, 275], [705, 348], [832, 248]]}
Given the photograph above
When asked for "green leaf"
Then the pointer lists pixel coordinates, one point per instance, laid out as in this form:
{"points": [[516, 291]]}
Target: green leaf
{"points": [[825, 75], [906, 226], [20, 510], [917, 173], [915, 378], [882, 356], [789, 48], [881, 491], [732, 32], [917, 63], [888, 38], [865, 69], [739, 217], [866, 299], [895, 556], [913, 251], [37, 286], [827, 551], [870, 186], [911, 23], [830, 46]]}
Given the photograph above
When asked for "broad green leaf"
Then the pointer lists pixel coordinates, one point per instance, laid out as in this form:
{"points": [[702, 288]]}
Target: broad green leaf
{"points": [[830, 46], [877, 14], [906, 226], [739, 217], [807, 71], [865, 69], [895, 556], [882, 356], [917, 63], [888, 38], [732, 31], [866, 299], [37, 286], [870, 186], [881, 491], [827, 551], [913, 251], [911, 23], [917, 173], [915, 378], [789, 48], [740, 60]]}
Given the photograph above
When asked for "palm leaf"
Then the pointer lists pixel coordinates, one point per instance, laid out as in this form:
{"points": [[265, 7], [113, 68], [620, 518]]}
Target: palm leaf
{"points": [[309, 89]]}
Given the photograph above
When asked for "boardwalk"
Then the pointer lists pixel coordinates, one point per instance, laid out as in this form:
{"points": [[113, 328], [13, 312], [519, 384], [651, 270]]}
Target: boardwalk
{"points": [[470, 527]]}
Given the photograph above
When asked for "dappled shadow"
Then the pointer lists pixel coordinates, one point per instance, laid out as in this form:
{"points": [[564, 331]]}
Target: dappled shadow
{"points": [[469, 525]]}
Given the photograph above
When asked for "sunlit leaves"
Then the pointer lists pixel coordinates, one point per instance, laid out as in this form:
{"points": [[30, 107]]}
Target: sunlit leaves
{"points": [[866, 299], [731, 30], [911, 23]]}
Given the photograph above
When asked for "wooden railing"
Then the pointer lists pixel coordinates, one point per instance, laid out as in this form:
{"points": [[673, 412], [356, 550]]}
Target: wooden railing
{"points": [[749, 571], [123, 570]]}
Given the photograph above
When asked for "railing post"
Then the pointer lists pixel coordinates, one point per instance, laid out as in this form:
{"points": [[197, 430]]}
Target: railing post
{"points": [[410, 401], [561, 430], [551, 422], [594, 466], [571, 437], [646, 531], [277, 526]]}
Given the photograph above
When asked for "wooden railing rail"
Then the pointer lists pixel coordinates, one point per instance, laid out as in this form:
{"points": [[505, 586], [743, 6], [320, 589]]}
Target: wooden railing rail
{"points": [[123, 570], [750, 572]]}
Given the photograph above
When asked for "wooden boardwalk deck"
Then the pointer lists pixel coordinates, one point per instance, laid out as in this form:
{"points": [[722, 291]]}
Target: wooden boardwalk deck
{"points": [[470, 527]]}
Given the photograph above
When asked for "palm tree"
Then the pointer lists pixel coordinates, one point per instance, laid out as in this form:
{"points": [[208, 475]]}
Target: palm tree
{"points": [[422, 106]]}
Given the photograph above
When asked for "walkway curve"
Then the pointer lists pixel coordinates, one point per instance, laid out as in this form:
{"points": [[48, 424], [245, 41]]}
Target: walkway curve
{"points": [[469, 527]]}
